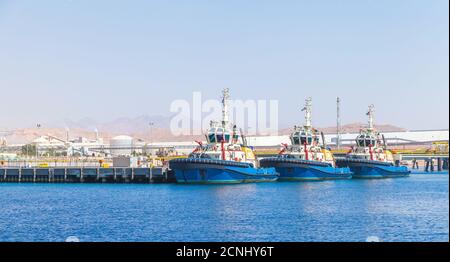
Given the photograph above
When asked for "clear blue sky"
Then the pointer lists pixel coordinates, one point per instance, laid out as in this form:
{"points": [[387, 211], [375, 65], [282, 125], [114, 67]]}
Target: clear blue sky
{"points": [[108, 59]]}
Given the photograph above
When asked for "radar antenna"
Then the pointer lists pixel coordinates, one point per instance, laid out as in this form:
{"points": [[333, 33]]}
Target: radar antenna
{"points": [[370, 114], [225, 98], [307, 110]]}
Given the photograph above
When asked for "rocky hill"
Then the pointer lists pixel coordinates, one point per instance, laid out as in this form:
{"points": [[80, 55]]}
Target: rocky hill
{"points": [[350, 128], [138, 127]]}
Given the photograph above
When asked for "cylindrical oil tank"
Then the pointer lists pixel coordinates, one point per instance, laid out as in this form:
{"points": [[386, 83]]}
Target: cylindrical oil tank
{"points": [[121, 145]]}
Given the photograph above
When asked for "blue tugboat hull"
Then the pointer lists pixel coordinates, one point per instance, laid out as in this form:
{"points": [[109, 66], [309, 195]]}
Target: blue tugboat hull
{"points": [[373, 169], [208, 171], [305, 170]]}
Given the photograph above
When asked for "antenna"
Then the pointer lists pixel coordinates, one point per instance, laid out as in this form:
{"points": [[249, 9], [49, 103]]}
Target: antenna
{"points": [[307, 110], [323, 139], [225, 98], [384, 141], [244, 139], [338, 123], [370, 114]]}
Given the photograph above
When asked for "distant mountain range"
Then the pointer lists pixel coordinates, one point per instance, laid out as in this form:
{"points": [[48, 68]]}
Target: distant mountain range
{"points": [[140, 128], [350, 128], [122, 125]]}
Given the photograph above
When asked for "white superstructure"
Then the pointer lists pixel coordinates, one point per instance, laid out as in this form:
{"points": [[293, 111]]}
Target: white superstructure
{"points": [[223, 141], [305, 141]]}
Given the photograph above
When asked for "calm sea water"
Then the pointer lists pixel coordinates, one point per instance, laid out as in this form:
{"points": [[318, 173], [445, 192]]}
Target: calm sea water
{"points": [[404, 209]]}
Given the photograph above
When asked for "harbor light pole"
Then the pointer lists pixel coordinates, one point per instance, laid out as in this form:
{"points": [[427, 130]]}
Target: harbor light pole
{"points": [[338, 124], [151, 124], [36, 145]]}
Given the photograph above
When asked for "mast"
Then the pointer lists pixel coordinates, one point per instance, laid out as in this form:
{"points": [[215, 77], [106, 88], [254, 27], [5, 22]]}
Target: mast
{"points": [[67, 134], [225, 97], [370, 114], [96, 134], [307, 110], [338, 123]]}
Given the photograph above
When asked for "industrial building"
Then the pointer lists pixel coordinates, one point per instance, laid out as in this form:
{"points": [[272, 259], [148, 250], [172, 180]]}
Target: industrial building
{"points": [[124, 145], [406, 138], [413, 138]]}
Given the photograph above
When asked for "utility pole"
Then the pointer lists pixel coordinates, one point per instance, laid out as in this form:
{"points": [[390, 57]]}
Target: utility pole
{"points": [[36, 145], [151, 124], [338, 124], [67, 135]]}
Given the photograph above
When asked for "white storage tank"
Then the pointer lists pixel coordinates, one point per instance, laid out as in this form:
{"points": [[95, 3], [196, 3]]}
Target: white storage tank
{"points": [[121, 145]]}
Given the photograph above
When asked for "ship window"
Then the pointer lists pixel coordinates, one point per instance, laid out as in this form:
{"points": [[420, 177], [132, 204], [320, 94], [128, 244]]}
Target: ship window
{"points": [[212, 137], [360, 141], [227, 138], [303, 140], [219, 135], [310, 140], [296, 140]]}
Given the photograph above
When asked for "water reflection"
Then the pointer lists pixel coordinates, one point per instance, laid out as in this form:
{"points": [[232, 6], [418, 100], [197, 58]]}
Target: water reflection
{"points": [[410, 209]]}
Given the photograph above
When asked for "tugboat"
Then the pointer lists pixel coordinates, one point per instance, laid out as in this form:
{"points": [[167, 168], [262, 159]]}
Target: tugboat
{"points": [[306, 159], [225, 159], [370, 158]]}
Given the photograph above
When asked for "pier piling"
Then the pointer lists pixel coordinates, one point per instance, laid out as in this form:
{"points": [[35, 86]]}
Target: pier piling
{"points": [[84, 175], [151, 175]]}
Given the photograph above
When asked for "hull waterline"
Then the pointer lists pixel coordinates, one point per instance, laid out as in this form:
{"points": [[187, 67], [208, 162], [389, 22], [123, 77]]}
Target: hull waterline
{"points": [[207, 171], [305, 170], [371, 169]]}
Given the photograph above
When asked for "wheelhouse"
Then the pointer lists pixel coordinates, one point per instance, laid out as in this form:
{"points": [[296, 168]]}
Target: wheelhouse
{"points": [[366, 140], [218, 135], [301, 137]]}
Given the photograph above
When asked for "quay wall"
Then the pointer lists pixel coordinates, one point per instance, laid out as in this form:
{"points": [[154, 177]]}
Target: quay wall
{"points": [[86, 175]]}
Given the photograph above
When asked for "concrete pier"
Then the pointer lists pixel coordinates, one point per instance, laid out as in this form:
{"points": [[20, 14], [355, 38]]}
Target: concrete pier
{"points": [[86, 175]]}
